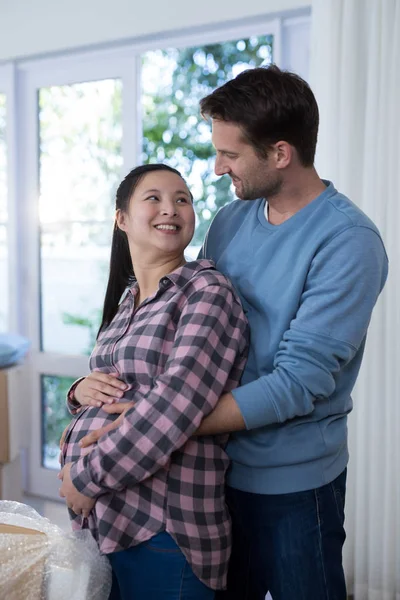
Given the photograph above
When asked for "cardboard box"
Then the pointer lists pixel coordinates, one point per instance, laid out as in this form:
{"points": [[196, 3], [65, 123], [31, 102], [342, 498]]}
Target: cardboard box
{"points": [[29, 572], [10, 413], [5, 528], [22, 563], [11, 481]]}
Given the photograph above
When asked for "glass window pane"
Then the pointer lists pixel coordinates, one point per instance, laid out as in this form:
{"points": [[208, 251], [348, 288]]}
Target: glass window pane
{"points": [[75, 259], [55, 417], [80, 162], [3, 217], [173, 83]]}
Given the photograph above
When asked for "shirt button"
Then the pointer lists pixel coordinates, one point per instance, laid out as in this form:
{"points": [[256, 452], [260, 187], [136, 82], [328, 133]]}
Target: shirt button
{"points": [[164, 281]]}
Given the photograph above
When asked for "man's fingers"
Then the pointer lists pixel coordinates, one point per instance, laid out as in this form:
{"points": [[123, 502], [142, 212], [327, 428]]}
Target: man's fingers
{"points": [[117, 408], [89, 439], [92, 437]]}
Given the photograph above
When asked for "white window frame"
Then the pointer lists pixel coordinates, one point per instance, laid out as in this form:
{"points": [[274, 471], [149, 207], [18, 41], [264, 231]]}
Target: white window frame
{"points": [[32, 76], [25, 79], [7, 87]]}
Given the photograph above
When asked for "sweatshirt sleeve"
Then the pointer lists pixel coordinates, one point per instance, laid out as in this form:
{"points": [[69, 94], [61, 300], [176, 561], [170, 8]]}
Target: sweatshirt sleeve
{"points": [[208, 353], [330, 327]]}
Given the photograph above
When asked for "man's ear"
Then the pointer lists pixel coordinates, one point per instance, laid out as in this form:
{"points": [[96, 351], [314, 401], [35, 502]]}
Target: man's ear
{"points": [[120, 218], [283, 154]]}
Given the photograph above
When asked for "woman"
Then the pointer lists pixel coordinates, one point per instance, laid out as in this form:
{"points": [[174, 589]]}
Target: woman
{"points": [[177, 340]]}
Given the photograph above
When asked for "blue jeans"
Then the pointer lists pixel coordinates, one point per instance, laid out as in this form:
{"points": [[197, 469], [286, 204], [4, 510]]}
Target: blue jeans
{"points": [[155, 570], [287, 544]]}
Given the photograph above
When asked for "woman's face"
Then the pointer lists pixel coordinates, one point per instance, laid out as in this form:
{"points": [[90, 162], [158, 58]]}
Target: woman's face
{"points": [[160, 219]]}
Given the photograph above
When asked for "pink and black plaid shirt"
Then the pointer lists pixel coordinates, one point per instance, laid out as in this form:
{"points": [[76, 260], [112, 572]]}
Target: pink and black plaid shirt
{"points": [[179, 351]]}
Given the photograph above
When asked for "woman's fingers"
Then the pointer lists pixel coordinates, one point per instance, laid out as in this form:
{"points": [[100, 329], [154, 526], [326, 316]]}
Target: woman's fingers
{"points": [[99, 388], [109, 379]]}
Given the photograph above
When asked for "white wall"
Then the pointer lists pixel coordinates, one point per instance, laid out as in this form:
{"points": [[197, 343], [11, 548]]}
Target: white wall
{"points": [[29, 28]]}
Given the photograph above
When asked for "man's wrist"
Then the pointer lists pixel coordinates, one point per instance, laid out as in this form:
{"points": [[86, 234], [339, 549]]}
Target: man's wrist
{"points": [[225, 418]]}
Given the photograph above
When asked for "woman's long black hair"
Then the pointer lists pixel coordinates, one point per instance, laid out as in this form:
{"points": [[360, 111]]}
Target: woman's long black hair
{"points": [[121, 273]]}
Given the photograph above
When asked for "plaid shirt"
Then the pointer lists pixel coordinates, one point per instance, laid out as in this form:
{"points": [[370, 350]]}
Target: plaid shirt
{"points": [[178, 352]]}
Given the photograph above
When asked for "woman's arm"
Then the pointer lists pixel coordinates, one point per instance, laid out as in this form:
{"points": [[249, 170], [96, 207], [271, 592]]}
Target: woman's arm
{"points": [[210, 344]]}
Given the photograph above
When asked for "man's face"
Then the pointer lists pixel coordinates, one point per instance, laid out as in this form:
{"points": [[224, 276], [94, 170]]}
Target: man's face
{"points": [[252, 176]]}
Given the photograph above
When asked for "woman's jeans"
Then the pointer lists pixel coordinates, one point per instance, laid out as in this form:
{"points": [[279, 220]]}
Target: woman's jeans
{"points": [[155, 570], [287, 544]]}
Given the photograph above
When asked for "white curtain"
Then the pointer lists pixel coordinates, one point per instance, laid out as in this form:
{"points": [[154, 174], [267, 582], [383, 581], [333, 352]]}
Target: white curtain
{"points": [[355, 74]]}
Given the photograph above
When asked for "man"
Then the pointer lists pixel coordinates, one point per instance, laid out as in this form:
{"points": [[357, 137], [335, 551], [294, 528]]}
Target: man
{"points": [[309, 266]]}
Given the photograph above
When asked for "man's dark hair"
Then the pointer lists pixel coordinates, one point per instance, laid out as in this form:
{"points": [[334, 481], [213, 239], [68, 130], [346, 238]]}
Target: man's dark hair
{"points": [[269, 105]]}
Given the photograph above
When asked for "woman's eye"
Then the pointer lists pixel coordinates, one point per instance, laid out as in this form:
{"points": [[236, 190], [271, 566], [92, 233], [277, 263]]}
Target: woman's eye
{"points": [[152, 198], [184, 200]]}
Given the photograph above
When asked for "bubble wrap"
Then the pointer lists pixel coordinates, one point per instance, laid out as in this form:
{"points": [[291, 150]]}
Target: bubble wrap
{"points": [[54, 566]]}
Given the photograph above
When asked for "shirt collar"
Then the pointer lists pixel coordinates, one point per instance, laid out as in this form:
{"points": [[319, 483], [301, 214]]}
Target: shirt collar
{"points": [[184, 274], [181, 276]]}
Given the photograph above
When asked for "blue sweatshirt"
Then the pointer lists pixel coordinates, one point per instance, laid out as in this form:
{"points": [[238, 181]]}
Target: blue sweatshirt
{"points": [[308, 287]]}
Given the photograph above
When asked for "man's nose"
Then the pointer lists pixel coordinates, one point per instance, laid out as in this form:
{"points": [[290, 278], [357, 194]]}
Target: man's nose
{"points": [[220, 167]]}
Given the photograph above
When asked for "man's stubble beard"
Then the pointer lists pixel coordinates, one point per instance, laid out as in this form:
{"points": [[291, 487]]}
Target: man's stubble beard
{"points": [[267, 190]]}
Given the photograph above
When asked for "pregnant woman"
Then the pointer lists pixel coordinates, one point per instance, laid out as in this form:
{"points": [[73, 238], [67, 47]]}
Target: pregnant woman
{"points": [[174, 332]]}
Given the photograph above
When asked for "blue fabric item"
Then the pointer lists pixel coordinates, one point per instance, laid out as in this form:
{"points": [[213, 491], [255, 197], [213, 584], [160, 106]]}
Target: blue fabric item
{"points": [[308, 287], [13, 348], [287, 544], [155, 570]]}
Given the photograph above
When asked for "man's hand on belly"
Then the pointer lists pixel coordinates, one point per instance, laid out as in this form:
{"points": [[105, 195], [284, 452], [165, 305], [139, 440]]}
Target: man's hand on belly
{"points": [[93, 436]]}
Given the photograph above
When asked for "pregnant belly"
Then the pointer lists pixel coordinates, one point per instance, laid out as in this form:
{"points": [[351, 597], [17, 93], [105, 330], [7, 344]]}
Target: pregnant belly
{"points": [[90, 419]]}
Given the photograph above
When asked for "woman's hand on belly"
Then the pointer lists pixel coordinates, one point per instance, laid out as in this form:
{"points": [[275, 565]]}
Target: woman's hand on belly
{"points": [[121, 408], [98, 389], [77, 502]]}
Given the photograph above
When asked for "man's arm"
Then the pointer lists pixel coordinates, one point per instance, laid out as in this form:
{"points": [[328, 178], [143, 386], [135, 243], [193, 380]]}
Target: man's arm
{"points": [[225, 418], [344, 282]]}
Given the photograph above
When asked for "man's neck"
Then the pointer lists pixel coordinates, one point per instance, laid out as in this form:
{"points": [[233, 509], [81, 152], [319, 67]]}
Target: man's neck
{"points": [[296, 192]]}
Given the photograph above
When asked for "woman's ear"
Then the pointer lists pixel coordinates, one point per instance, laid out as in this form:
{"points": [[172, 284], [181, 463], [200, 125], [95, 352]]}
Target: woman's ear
{"points": [[120, 220]]}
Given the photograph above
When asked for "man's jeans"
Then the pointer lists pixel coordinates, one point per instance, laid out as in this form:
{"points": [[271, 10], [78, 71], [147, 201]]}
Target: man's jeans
{"points": [[288, 544]]}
